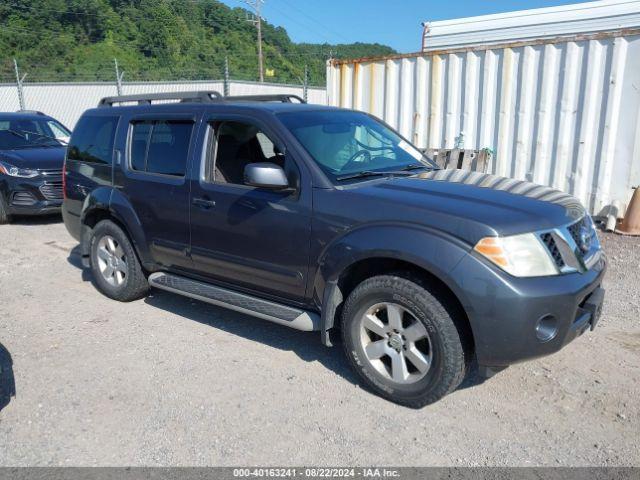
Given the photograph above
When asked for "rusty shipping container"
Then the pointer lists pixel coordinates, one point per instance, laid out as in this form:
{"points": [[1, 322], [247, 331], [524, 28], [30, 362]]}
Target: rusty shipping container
{"points": [[558, 103]]}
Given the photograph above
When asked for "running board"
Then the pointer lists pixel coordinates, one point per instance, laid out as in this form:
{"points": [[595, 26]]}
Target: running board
{"points": [[241, 302]]}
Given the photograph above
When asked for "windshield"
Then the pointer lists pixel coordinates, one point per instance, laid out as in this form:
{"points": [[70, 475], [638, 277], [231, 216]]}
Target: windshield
{"points": [[345, 143], [25, 132]]}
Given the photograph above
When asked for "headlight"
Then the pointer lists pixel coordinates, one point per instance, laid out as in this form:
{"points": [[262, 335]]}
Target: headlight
{"points": [[8, 169], [520, 255]]}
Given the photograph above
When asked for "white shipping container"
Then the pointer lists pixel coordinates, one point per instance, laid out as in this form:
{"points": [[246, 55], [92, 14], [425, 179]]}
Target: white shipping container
{"points": [[561, 111]]}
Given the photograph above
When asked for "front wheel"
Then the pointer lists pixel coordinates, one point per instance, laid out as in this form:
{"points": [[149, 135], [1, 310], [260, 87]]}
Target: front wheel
{"points": [[114, 264], [403, 340]]}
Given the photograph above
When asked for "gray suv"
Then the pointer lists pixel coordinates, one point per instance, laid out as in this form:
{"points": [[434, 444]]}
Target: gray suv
{"points": [[326, 219]]}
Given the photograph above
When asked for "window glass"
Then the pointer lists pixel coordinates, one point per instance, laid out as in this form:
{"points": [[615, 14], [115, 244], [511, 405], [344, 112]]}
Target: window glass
{"points": [[139, 139], [21, 132], [58, 130], [266, 145], [238, 144], [92, 140], [344, 143], [169, 147]]}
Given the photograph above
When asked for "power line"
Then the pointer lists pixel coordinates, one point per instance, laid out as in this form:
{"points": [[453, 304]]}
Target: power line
{"points": [[315, 21]]}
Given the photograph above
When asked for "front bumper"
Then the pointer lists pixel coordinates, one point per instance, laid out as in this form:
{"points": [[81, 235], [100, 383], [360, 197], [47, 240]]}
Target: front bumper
{"points": [[32, 196], [509, 316]]}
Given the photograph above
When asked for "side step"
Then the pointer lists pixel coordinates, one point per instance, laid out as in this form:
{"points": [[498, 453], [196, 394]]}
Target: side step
{"points": [[241, 302]]}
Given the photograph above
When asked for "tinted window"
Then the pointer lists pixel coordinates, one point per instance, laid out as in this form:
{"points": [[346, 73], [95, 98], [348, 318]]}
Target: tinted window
{"points": [[161, 147], [169, 148], [92, 140], [139, 141]]}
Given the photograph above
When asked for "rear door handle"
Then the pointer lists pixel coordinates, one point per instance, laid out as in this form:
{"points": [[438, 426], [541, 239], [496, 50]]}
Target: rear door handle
{"points": [[203, 202]]}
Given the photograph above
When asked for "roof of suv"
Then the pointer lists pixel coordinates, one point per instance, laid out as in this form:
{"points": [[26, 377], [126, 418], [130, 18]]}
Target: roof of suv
{"points": [[199, 99], [271, 107]]}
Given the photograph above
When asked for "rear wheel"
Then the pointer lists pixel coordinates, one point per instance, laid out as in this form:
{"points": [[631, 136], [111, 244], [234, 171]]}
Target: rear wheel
{"points": [[114, 264], [4, 215], [402, 339]]}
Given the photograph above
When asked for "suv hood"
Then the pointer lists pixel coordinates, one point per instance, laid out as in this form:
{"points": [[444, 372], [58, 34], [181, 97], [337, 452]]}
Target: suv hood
{"points": [[47, 158], [471, 205]]}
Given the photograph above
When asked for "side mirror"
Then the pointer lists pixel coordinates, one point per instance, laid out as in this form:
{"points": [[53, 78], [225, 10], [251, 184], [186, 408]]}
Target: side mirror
{"points": [[265, 175]]}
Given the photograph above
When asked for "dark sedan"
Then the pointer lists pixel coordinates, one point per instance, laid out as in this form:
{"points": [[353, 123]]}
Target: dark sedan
{"points": [[32, 149]]}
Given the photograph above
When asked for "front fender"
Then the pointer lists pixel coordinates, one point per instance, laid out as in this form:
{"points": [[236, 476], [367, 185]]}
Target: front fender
{"points": [[431, 250]]}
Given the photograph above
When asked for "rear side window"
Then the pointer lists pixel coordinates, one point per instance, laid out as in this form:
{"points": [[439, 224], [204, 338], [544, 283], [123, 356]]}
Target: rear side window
{"points": [[92, 140], [160, 147], [139, 142]]}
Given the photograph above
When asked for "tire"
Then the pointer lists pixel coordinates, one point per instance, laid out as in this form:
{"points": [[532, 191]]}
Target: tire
{"points": [[416, 364], [4, 215], [115, 267]]}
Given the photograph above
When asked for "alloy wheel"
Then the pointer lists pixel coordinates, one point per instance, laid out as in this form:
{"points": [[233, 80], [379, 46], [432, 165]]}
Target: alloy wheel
{"points": [[112, 262], [395, 343]]}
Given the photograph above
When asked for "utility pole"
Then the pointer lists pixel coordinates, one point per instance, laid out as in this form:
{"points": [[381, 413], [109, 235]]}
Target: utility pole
{"points": [[256, 19], [19, 81], [119, 77]]}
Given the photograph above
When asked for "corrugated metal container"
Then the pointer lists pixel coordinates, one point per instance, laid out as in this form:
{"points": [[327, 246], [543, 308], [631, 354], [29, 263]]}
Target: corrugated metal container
{"points": [[561, 112], [67, 101], [603, 15]]}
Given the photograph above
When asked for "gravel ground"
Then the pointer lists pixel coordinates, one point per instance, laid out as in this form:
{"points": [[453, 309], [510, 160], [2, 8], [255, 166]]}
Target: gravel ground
{"points": [[171, 381]]}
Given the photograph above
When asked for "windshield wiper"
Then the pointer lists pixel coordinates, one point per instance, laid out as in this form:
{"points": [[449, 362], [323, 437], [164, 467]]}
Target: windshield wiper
{"points": [[416, 166], [365, 173], [43, 136], [16, 133], [403, 172]]}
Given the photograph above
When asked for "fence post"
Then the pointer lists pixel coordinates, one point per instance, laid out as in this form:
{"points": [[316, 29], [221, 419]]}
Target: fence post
{"points": [[119, 77], [19, 85], [305, 85], [226, 77]]}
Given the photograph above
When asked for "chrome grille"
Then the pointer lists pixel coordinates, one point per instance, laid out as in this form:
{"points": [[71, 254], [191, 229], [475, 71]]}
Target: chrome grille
{"points": [[552, 246], [54, 172], [52, 191], [574, 247]]}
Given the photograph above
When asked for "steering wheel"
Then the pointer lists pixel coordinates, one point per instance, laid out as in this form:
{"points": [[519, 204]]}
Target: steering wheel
{"points": [[353, 159]]}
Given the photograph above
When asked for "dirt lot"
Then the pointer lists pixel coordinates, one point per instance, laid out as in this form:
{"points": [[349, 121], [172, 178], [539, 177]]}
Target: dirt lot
{"points": [[171, 381]]}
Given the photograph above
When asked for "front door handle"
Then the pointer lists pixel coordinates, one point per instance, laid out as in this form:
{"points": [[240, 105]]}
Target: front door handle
{"points": [[203, 202]]}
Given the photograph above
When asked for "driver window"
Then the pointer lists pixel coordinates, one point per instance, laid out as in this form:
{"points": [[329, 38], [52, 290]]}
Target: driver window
{"points": [[235, 145]]}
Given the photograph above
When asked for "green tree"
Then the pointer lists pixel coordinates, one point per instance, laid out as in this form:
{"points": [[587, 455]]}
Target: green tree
{"points": [[56, 40]]}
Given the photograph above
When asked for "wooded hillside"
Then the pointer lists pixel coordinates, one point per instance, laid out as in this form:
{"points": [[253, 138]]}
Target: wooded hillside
{"points": [[77, 40]]}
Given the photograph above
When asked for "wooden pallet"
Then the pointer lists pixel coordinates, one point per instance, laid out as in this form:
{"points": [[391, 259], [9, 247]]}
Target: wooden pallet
{"points": [[474, 160]]}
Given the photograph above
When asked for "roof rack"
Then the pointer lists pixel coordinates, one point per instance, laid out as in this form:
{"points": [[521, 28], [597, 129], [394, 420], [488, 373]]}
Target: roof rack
{"points": [[148, 98], [284, 98], [197, 97]]}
